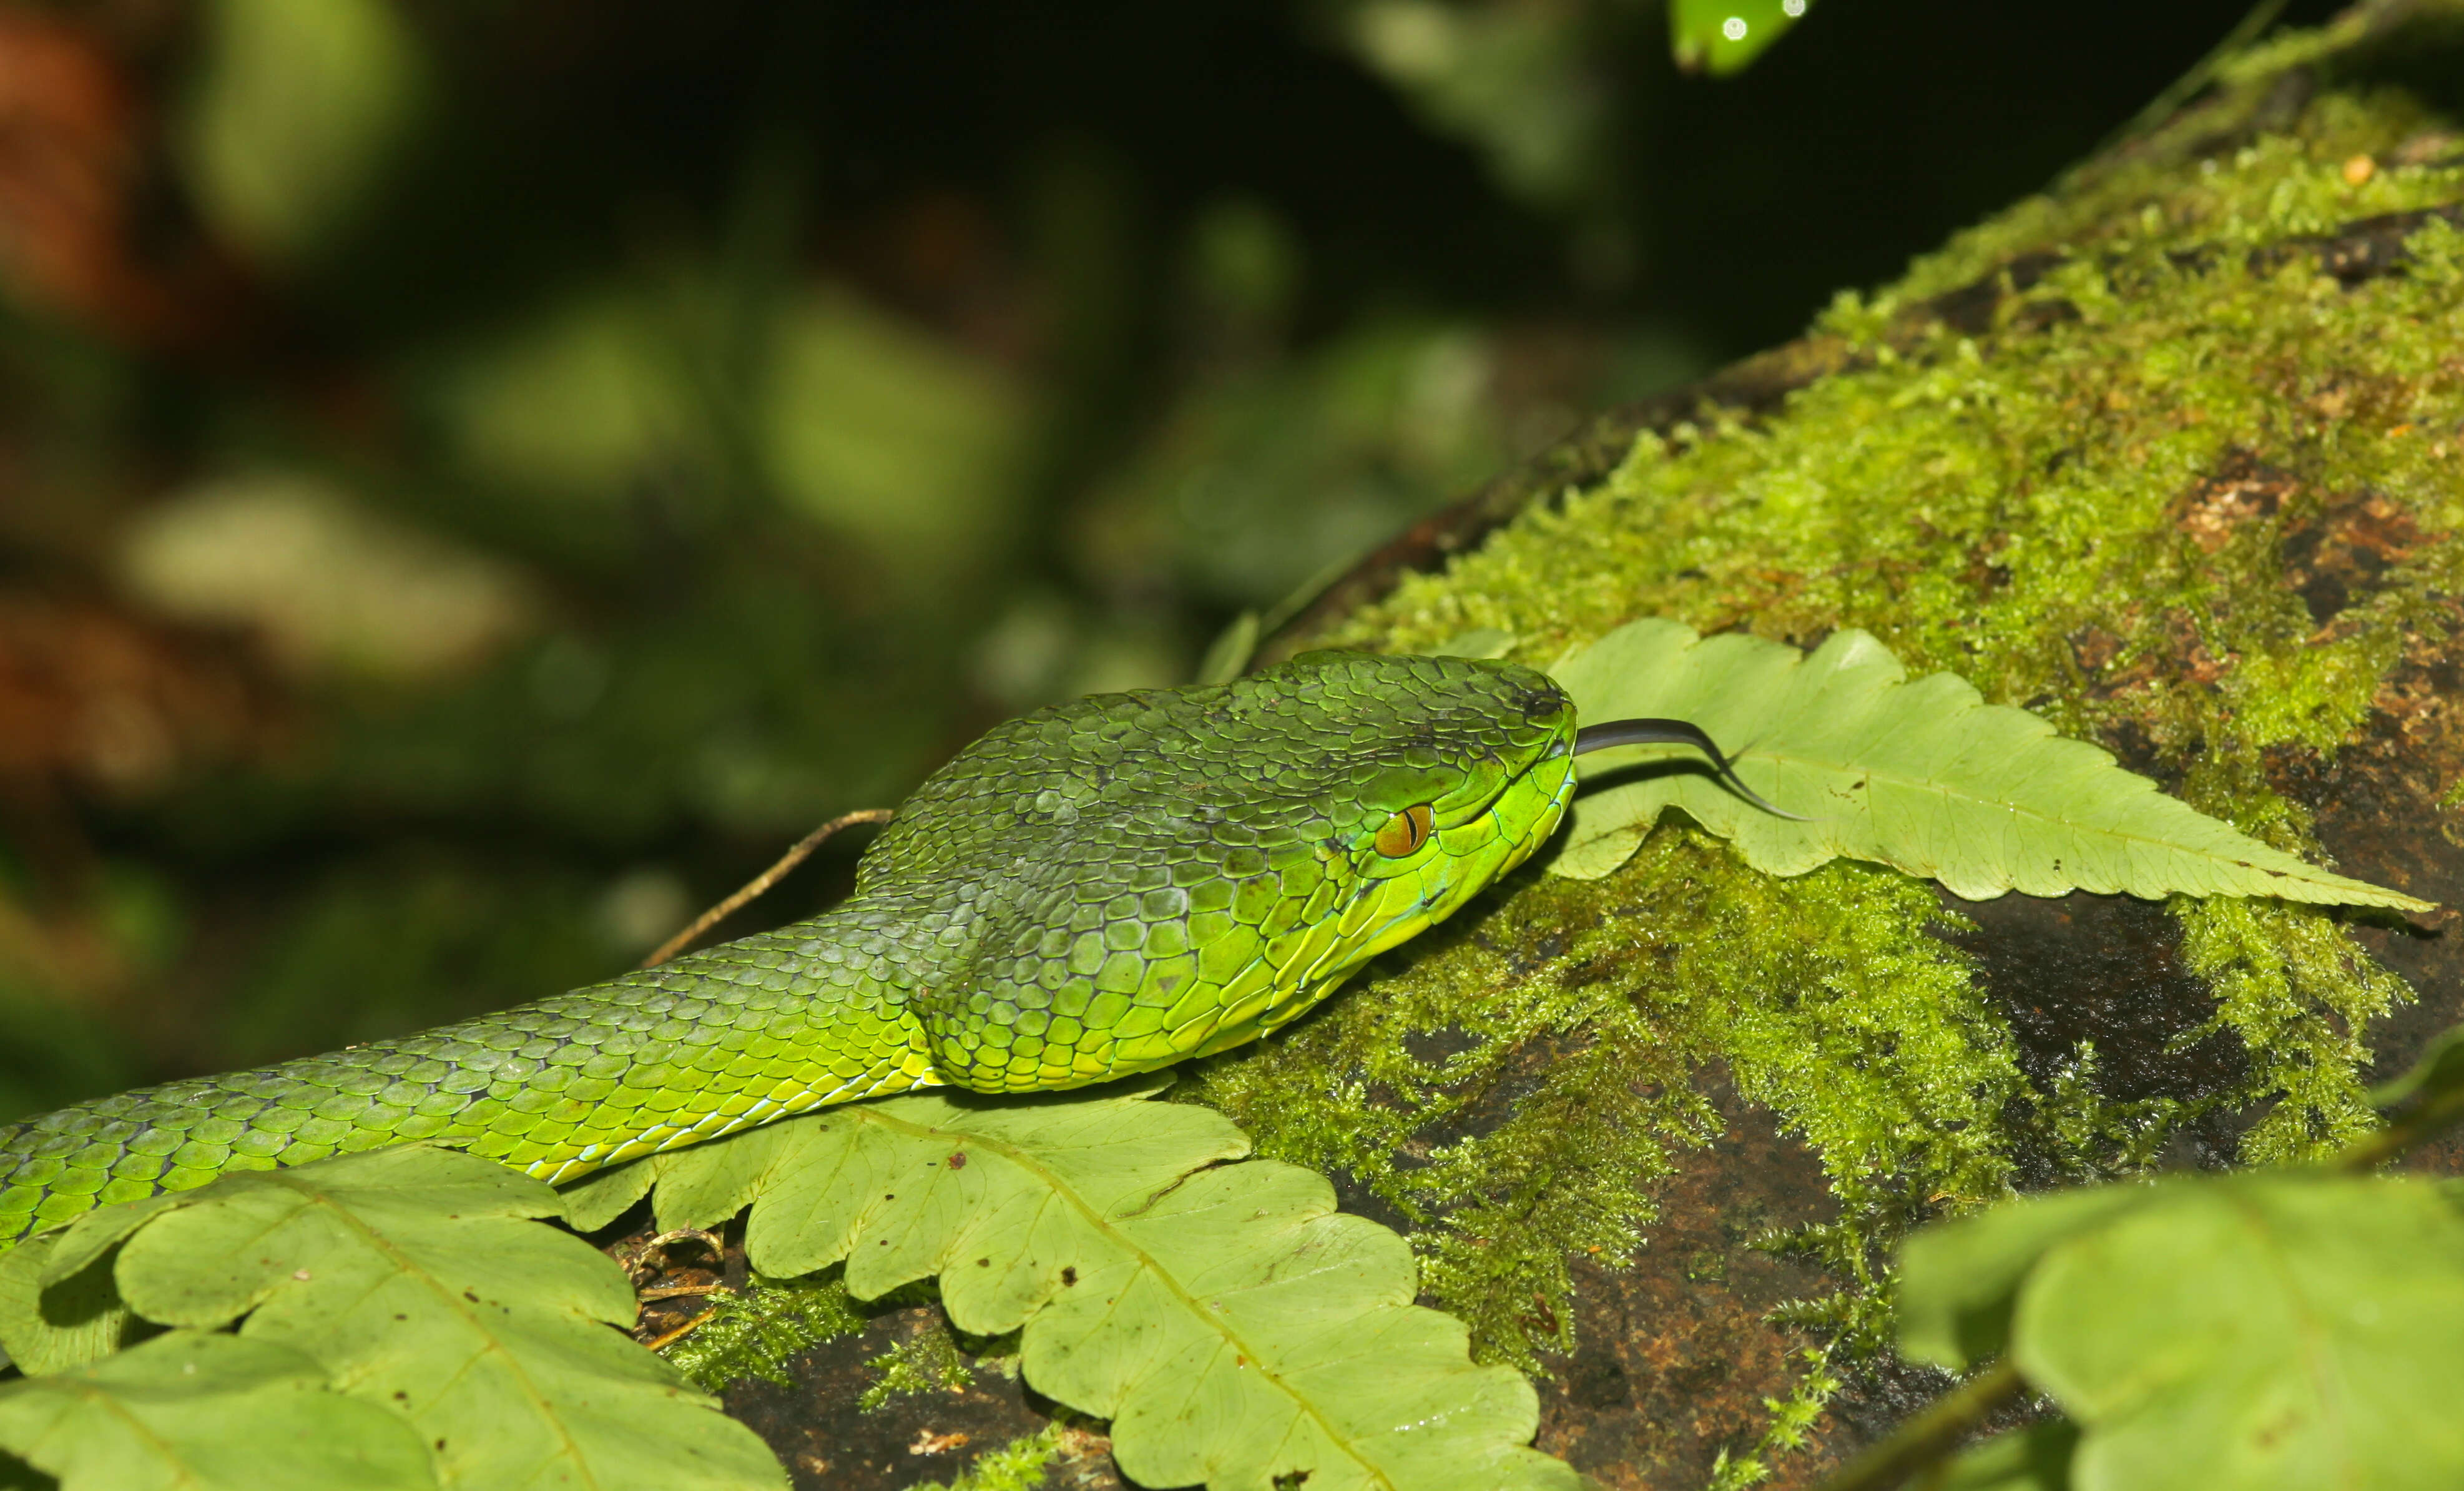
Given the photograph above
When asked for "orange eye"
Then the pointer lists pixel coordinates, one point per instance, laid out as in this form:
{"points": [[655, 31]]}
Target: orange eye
{"points": [[1406, 831]]}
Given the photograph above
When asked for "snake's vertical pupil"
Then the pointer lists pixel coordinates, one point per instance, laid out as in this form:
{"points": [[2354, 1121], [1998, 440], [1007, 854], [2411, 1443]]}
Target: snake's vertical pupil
{"points": [[1406, 831]]}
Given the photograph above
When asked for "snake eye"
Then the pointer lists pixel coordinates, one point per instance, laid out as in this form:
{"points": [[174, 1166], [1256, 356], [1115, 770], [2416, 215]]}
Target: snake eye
{"points": [[1406, 831]]}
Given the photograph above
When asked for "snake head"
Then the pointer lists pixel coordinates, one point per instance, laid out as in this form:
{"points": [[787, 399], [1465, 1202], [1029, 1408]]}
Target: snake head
{"points": [[1455, 773], [1130, 879]]}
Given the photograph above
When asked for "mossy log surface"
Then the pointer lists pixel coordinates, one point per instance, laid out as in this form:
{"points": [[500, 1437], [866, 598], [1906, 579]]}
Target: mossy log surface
{"points": [[2173, 455]]}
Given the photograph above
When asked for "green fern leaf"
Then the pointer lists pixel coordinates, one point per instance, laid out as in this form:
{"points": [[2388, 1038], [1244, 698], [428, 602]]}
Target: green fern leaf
{"points": [[191, 1412], [1925, 777], [2285, 1328], [67, 1321], [412, 1277], [1233, 1325]]}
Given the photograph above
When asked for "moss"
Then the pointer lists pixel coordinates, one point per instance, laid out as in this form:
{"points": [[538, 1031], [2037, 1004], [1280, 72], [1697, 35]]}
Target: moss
{"points": [[757, 1332], [2301, 998], [1514, 1089], [754, 1333], [1025, 1464], [938, 1358], [928, 1362], [2121, 508], [1019, 1465], [1792, 1421]]}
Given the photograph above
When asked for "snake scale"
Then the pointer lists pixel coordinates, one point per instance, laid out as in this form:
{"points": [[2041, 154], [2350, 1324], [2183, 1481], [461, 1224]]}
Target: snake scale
{"points": [[1089, 890]]}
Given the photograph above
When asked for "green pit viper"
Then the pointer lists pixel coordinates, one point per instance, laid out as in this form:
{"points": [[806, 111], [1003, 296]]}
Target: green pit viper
{"points": [[1089, 890]]}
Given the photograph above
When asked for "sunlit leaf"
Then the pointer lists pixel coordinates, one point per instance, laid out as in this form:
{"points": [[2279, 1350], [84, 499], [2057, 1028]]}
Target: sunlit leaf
{"points": [[1958, 1281], [413, 1278], [2279, 1330], [886, 433], [192, 1412], [1723, 37], [51, 1327], [2270, 1331], [1519, 83], [1232, 1326], [1925, 777], [331, 587], [575, 404], [296, 116]]}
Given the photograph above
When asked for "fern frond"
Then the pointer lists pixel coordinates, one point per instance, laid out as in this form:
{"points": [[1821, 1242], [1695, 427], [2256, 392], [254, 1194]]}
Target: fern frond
{"points": [[1925, 777]]}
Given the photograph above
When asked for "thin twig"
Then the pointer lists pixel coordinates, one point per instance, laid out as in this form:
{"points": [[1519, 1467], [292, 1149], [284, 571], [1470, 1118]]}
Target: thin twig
{"points": [[706, 1238], [679, 1291], [789, 861], [671, 1338], [1932, 1433]]}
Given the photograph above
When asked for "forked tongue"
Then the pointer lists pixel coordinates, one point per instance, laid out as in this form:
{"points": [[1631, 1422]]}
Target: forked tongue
{"points": [[1674, 731]]}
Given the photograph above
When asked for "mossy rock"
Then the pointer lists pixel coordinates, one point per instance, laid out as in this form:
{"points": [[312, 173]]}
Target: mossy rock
{"points": [[2173, 455]]}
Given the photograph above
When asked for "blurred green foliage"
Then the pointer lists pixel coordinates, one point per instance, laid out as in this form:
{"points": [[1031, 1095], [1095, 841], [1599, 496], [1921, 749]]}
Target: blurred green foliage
{"points": [[1724, 37], [476, 480]]}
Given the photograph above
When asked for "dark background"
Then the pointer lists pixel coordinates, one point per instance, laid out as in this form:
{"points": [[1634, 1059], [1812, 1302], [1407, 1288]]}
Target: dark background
{"points": [[477, 479]]}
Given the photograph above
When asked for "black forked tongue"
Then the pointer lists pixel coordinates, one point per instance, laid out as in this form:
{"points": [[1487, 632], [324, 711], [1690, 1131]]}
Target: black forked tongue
{"points": [[1673, 732]]}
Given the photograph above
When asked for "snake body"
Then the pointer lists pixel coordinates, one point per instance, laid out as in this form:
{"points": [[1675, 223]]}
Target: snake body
{"points": [[1089, 890]]}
